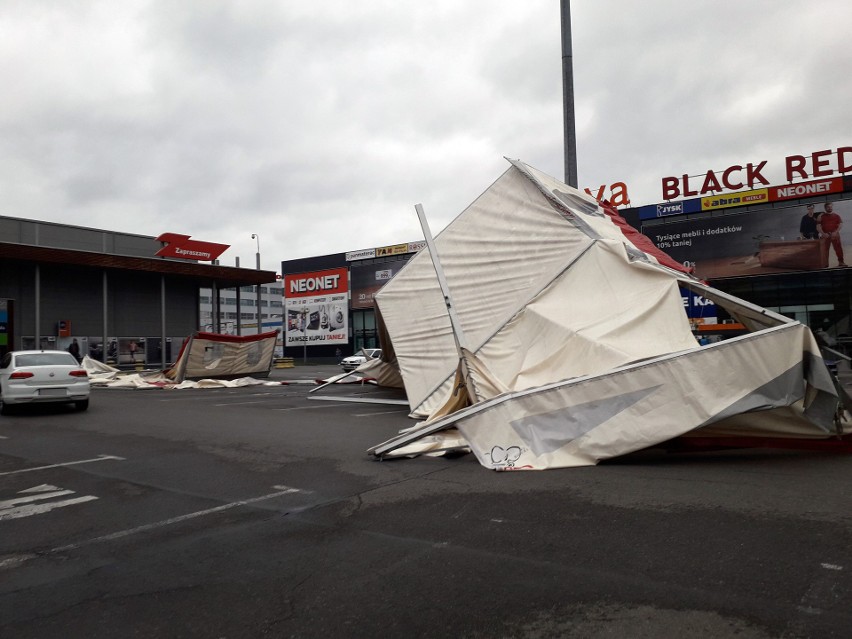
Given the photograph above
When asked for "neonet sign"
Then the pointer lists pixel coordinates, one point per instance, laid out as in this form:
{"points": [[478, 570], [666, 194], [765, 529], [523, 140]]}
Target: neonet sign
{"points": [[176, 245]]}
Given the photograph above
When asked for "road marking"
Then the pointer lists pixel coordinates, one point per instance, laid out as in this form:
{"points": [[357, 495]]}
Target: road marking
{"points": [[308, 407], [281, 490], [3, 437], [73, 463], [15, 560], [238, 403], [19, 507], [360, 400], [8, 503], [44, 488], [384, 412], [27, 511]]}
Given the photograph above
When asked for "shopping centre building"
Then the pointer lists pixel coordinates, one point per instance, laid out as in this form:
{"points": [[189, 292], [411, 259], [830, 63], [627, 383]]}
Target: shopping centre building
{"points": [[784, 248], [756, 244], [328, 299], [121, 296]]}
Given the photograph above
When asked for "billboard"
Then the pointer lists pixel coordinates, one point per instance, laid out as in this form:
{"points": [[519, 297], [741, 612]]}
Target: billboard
{"points": [[316, 307], [759, 242], [367, 279]]}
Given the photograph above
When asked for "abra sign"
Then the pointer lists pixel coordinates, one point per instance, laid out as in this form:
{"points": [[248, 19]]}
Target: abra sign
{"points": [[181, 246]]}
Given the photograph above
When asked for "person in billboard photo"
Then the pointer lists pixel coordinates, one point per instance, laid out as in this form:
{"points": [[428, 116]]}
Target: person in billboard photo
{"points": [[829, 224], [808, 226]]}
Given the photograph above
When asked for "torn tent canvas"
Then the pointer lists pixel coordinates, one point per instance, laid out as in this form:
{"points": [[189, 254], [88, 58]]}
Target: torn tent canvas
{"points": [[217, 356], [577, 347]]}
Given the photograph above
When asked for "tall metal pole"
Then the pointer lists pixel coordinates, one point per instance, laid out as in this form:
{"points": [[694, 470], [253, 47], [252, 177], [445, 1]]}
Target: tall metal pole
{"points": [[105, 318], [255, 236], [37, 332], [568, 97], [162, 322], [239, 305]]}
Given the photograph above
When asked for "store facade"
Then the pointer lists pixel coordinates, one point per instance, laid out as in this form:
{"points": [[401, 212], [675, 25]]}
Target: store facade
{"points": [[328, 299], [123, 298], [785, 247]]}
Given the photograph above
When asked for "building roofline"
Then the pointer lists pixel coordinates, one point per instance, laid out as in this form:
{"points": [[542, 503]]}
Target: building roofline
{"points": [[205, 274]]}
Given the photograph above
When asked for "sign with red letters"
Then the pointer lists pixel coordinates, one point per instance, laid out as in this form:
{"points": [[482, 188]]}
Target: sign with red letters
{"points": [[177, 245]]}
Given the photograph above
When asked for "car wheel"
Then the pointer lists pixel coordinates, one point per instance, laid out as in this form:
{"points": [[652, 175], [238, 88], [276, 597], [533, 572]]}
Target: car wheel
{"points": [[81, 405], [5, 409]]}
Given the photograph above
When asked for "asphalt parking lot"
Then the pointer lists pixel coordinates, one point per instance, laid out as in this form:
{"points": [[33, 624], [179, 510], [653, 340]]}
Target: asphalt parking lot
{"points": [[254, 512]]}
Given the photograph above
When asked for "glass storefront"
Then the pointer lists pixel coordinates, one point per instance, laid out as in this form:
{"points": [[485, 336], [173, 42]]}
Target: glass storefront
{"points": [[364, 333], [821, 300]]}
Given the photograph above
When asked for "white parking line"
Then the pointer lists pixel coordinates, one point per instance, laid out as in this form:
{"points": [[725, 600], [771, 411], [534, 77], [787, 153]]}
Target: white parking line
{"points": [[359, 400], [307, 407], [282, 490], [19, 507], [38, 509], [72, 463], [384, 412], [238, 403], [8, 503]]}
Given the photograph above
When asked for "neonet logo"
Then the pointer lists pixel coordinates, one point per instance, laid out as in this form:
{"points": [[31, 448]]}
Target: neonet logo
{"points": [[177, 245]]}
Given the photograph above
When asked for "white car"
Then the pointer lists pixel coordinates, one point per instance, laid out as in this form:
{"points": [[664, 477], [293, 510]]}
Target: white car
{"points": [[354, 361], [35, 377]]}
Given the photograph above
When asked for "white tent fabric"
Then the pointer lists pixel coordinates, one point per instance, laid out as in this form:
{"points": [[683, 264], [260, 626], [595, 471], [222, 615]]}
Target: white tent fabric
{"points": [[576, 346], [217, 356], [105, 376]]}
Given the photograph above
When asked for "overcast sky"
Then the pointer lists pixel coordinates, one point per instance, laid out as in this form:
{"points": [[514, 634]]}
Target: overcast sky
{"points": [[319, 125]]}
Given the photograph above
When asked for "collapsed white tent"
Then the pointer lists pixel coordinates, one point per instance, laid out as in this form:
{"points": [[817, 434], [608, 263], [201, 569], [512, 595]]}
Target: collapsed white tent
{"points": [[575, 344], [217, 356]]}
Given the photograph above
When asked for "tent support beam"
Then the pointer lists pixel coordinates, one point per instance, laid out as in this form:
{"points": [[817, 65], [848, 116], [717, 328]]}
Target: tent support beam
{"points": [[458, 333]]}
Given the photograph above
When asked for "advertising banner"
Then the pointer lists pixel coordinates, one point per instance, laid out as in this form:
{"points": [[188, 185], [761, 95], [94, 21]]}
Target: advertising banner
{"points": [[316, 305], [396, 249], [177, 245], [367, 279], [363, 254], [798, 238], [5, 325], [743, 198], [817, 187], [665, 209], [698, 309]]}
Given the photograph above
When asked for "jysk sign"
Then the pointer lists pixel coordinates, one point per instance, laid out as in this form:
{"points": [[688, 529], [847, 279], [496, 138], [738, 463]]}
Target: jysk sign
{"points": [[668, 208]]}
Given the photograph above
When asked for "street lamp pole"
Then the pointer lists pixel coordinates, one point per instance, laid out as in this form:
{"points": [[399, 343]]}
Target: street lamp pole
{"points": [[256, 237], [570, 132]]}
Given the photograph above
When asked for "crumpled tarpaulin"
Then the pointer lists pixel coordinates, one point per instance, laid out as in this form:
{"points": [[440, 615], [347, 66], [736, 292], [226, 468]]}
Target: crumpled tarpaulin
{"points": [[105, 376]]}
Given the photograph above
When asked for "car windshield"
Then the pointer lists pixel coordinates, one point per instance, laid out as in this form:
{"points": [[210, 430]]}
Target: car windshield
{"points": [[45, 359], [370, 352]]}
